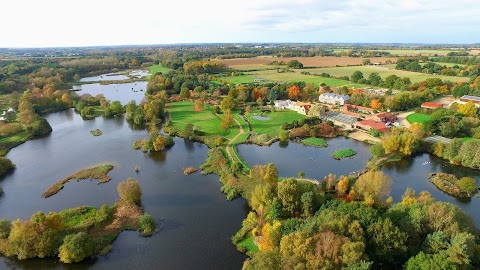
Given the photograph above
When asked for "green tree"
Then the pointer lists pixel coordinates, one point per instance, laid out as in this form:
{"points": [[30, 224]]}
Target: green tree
{"points": [[271, 175], [377, 150], [76, 247], [147, 224], [308, 203], [356, 76], [104, 215], [386, 242], [424, 261], [5, 228], [129, 190], [468, 184], [288, 193], [375, 78], [284, 135], [294, 64]]}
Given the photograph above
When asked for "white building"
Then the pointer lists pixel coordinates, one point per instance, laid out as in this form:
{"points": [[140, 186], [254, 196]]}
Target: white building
{"points": [[301, 107], [334, 99], [283, 104]]}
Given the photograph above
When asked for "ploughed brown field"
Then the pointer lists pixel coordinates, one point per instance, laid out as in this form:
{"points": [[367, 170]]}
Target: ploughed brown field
{"points": [[306, 61]]}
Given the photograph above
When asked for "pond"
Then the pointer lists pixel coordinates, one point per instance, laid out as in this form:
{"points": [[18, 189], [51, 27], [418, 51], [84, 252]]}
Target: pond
{"points": [[123, 92], [313, 161], [116, 76], [261, 118], [195, 220], [318, 162]]}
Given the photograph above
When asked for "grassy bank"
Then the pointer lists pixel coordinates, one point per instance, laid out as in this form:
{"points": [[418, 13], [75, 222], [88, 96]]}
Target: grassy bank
{"points": [[418, 118], [98, 172]]}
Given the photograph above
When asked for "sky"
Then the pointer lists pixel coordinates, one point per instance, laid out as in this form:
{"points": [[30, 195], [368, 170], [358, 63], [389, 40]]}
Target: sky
{"points": [[56, 23]]}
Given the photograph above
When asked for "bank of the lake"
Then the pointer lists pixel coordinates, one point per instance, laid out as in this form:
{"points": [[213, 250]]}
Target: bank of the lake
{"points": [[191, 210], [122, 92]]}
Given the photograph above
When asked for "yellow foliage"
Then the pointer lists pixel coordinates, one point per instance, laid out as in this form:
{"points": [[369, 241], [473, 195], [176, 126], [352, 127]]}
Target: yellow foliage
{"points": [[270, 236]]}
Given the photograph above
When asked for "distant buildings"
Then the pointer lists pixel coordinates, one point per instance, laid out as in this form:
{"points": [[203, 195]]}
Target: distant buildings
{"points": [[368, 124], [334, 99]]}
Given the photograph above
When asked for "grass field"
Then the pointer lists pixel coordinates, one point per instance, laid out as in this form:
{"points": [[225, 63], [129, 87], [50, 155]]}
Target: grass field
{"points": [[343, 153], [418, 118], [274, 76], [158, 68], [182, 113], [383, 71], [248, 244], [417, 52], [273, 125]]}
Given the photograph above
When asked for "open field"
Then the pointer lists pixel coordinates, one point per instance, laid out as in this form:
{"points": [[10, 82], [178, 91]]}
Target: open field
{"points": [[383, 71], [330, 61], [182, 113], [158, 68], [422, 52], [418, 118], [273, 125], [274, 76]]}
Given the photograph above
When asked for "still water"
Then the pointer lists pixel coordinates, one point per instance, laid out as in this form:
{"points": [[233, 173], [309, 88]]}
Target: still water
{"points": [[195, 220], [122, 92], [317, 162]]}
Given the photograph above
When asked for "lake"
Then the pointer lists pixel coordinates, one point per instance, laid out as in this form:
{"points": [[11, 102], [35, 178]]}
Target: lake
{"points": [[117, 76], [318, 162], [123, 92], [195, 220]]}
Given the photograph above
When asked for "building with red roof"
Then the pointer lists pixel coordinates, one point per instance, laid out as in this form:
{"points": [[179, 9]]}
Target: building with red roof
{"points": [[431, 105], [368, 124]]}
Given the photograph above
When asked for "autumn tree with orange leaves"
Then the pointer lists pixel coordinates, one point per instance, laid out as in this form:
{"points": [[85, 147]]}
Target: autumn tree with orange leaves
{"points": [[293, 92], [375, 104]]}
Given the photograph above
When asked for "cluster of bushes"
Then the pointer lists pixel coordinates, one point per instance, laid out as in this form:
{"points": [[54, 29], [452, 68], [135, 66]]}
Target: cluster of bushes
{"points": [[459, 152], [464, 187]]}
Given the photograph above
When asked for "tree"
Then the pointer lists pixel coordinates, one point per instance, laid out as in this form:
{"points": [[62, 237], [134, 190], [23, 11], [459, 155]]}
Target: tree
{"points": [[468, 184], [294, 64], [461, 90], [185, 93], [308, 203], [375, 104], [342, 185], [293, 92], [129, 190], [227, 119], [284, 135], [377, 150], [356, 76], [76, 247], [423, 261], [468, 109], [198, 106], [116, 108], [147, 224], [373, 183], [366, 62], [374, 78], [271, 175], [5, 228], [188, 131], [288, 193], [270, 236], [388, 243]]}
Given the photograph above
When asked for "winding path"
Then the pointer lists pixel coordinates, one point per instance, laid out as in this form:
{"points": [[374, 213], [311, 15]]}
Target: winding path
{"points": [[231, 144]]}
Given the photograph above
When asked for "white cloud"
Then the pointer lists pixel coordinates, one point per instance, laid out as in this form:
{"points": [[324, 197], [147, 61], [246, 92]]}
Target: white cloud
{"points": [[104, 22]]}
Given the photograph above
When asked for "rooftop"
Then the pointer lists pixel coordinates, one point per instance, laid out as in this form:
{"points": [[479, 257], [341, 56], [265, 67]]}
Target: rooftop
{"points": [[431, 105], [471, 97], [343, 118], [375, 125]]}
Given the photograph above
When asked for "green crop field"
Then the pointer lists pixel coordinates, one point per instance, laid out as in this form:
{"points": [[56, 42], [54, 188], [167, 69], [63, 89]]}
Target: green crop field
{"points": [[383, 71], [182, 113], [417, 52], [418, 118]]}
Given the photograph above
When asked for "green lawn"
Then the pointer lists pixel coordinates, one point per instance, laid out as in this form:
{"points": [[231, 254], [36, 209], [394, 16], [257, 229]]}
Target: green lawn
{"points": [[273, 125], [343, 153], [158, 68], [417, 52], [383, 71], [274, 76], [418, 118], [312, 141], [248, 244], [182, 113], [466, 139]]}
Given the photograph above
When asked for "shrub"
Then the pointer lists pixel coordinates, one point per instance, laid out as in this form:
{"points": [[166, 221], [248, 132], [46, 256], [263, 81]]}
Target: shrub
{"points": [[6, 165], [468, 184], [10, 129], [76, 247], [103, 215], [5, 228], [147, 225], [129, 190]]}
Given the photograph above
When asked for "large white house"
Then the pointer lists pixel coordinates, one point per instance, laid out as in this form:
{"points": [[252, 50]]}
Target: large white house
{"points": [[333, 99], [283, 104]]}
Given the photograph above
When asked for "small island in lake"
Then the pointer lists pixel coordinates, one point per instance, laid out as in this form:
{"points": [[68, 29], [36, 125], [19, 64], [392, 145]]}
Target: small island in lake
{"points": [[465, 187], [98, 172], [313, 141], [343, 153], [96, 132]]}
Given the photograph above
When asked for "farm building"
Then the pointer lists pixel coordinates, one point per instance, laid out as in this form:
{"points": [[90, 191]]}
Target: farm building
{"points": [[333, 99], [431, 105], [368, 124], [386, 117], [283, 104], [473, 99], [341, 119], [355, 108], [300, 107]]}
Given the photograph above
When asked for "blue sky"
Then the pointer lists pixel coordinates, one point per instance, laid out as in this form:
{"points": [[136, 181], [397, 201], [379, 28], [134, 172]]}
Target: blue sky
{"points": [[55, 23]]}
